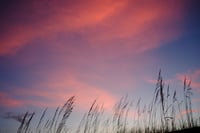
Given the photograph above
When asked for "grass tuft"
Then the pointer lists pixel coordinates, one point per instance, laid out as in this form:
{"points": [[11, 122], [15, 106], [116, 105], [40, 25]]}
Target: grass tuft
{"points": [[163, 114]]}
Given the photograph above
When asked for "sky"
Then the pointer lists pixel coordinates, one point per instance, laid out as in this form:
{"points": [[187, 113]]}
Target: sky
{"points": [[51, 50]]}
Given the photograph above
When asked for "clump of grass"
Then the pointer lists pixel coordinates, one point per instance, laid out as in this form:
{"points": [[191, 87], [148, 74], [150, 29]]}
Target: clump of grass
{"points": [[24, 126], [160, 115], [52, 125], [188, 105], [91, 121], [67, 108], [121, 111]]}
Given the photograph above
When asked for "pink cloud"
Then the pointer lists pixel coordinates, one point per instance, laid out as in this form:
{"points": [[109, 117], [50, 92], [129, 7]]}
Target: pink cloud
{"points": [[59, 16], [184, 112], [141, 28], [154, 81], [58, 91], [151, 81], [195, 100], [194, 76], [8, 101], [135, 30], [88, 93]]}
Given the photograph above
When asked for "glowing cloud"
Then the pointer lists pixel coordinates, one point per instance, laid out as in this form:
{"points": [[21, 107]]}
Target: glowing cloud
{"points": [[59, 16], [101, 23]]}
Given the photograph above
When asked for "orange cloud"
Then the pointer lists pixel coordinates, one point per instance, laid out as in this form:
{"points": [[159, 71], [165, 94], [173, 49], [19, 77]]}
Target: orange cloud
{"points": [[136, 26]]}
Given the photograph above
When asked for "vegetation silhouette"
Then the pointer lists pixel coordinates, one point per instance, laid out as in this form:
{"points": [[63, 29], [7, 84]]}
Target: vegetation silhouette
{"points": [[163, 114]]}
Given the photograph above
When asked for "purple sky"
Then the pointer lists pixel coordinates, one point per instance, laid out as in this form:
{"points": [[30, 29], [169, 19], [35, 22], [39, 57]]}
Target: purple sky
{"points": [[53, 49]]}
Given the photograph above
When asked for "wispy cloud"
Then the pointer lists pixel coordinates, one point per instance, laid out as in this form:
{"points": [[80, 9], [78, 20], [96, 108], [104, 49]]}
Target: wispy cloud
{"points": [[7, 101], [194, 76], [123, 24], [184, 112], [56, 92], [15, 116], [59, 16]]}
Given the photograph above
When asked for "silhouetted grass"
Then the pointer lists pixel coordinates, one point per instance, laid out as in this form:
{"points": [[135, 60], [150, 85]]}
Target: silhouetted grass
{"points": [[162, 114]]}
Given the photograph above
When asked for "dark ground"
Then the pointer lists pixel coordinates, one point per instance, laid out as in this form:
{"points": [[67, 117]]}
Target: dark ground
{"points": [[190, 130]]}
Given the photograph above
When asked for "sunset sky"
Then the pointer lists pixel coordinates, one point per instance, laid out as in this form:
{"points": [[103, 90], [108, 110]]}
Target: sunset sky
{"points": [[51, 50]]}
